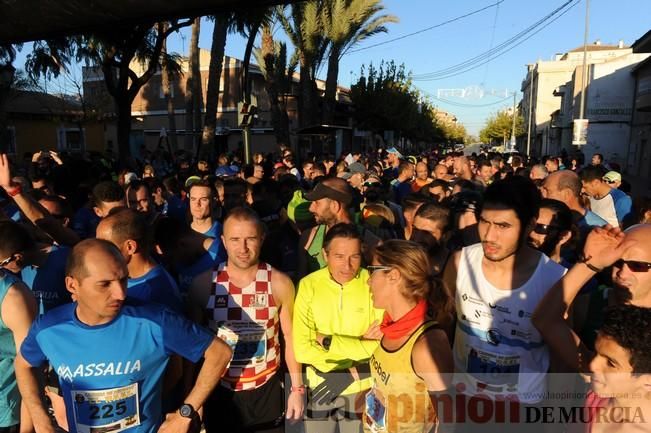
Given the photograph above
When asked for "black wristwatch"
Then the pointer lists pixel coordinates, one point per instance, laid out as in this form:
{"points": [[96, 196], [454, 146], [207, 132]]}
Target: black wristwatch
{"points": [[187, 411], [327, 341]]}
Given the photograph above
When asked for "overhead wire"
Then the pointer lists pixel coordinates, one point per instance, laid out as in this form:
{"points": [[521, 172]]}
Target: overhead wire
{"points": [[499, 50], [490, 45], [441, 24], [461, 104]]}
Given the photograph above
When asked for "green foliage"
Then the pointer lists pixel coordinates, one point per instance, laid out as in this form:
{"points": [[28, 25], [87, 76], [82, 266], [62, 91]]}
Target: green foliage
{"points": [[385, 100], [499, 126]]}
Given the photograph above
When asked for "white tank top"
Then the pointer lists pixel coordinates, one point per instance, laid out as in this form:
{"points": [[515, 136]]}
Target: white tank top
{"points": [[497, 350]]}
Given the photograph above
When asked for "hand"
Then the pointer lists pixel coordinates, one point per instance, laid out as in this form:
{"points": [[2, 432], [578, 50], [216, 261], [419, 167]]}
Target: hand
{"points": [[175, 423], [55, 157], [5, 171], [295, 406], [36, 156], [319, 338], [373, 332], [334, 383], [604, 246]]}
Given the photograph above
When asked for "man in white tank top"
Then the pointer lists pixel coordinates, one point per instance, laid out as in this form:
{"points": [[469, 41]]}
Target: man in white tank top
{"points": [[497, 284]]}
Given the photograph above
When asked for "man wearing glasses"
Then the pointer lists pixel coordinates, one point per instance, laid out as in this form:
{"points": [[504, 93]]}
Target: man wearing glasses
{"points": [[553, 229]]}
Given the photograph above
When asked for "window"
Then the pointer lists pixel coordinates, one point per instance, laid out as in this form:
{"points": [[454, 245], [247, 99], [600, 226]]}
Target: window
{"points": [[72, 139], [11, 141]]}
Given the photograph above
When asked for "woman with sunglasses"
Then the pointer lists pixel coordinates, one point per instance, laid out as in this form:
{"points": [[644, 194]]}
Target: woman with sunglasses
{"points": [[414, 358]]}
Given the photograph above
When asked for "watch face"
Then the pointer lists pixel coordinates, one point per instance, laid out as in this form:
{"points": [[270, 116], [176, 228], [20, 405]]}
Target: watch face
{"points": [[186, 410]]}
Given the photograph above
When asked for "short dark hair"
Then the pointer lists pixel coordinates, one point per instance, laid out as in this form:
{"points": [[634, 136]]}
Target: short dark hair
{"points": [[593, 172], [435, 212], [107, 192], [15, 239], [562, 214], [135, 185], [440, 183], [203, 183], [516, 193], [129, 224], [412, 201], [403, 166], [629, 326], [76, 264], [168, 232], [341, 230]]}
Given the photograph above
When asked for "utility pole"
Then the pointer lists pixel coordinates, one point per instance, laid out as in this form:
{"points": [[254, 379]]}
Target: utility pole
{"points": [[584, 80], [512, 146], [530, 111], [580, 130]]}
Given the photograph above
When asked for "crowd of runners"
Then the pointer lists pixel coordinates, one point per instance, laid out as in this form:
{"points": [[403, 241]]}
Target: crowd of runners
{"points": [[377, 292]]}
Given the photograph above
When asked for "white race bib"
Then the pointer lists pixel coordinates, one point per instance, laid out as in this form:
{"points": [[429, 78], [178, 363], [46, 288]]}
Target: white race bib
{"points": [[107, 410]]}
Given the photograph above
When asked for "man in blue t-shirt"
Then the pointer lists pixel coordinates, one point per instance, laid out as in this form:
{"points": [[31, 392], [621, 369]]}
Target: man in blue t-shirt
{"points": [[186, 252], [40, 268], [203, 206], [148, 280], [609, 203], [110, 354]]}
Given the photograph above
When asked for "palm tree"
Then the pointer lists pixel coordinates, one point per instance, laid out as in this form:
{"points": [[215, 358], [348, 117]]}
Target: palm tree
{"points": [[272, 60], [347, 23], [304, 29], [168, 75], [220, 30], [193, 88]]}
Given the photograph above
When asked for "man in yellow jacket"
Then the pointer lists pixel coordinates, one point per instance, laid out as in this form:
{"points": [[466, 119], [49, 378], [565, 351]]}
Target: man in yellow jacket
{"points": [[336, 329]]}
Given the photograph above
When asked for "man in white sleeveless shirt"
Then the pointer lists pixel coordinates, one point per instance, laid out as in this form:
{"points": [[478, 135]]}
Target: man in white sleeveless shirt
{"points": [[497, 283]]}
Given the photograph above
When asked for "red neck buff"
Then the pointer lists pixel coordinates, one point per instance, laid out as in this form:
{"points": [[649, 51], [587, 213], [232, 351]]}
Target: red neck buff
{"points": [[407, 323]]}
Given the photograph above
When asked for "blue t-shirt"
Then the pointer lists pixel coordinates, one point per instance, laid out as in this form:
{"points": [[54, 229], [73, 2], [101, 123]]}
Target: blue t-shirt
{"points": [[9, 395], [111, 374], [48, 282], [157, 285], [214, 256], [215, 230], [85, 222]]}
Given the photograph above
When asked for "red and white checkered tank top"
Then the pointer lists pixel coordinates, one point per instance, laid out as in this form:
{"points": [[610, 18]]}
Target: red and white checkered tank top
{"points": [[247, 319]]}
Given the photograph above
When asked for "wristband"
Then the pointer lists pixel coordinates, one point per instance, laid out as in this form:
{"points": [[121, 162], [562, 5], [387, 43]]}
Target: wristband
{"points": [[299, 389], [590, 266], [14, 191]]}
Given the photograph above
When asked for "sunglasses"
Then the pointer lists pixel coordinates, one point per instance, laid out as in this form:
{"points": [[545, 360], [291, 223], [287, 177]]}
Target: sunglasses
{"points": [[545, 229], [372, 268], [8, 260], [633, 265]]}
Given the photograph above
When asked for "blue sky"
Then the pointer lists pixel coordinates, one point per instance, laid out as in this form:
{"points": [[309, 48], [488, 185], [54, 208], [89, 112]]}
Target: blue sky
{"points": [[456, 42]]}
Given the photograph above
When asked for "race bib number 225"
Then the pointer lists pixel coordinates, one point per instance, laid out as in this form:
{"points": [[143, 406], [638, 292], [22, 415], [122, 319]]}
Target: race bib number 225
{"points": [[107, 410]]}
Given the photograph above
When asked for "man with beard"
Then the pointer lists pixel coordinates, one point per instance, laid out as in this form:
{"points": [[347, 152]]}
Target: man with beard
{"points": [[497, 285], [553, 229]]}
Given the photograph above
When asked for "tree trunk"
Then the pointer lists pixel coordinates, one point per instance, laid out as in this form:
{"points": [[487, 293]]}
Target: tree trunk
{"points": [[166, 84], [197, 94], [279, 117], [330, 98], [123, 107], [246, 61], [189, 84], [217, 49], [306, 101]]}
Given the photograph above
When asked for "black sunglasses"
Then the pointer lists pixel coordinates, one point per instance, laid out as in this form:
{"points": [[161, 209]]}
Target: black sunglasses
{"points": [[633, 265], [8, 260], [545, 229]]}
